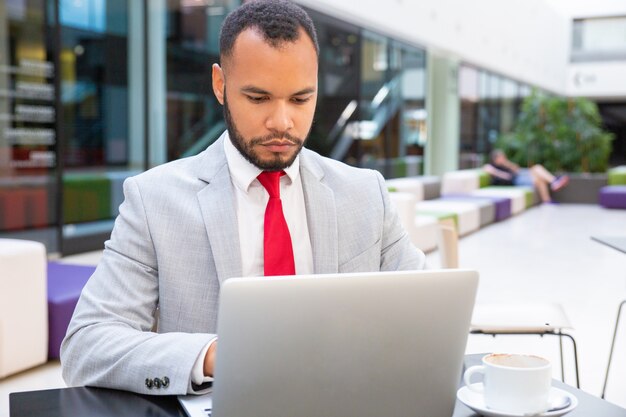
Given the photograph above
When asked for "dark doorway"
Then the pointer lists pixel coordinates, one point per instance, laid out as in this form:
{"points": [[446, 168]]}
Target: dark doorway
{"points": [[614, 120]]}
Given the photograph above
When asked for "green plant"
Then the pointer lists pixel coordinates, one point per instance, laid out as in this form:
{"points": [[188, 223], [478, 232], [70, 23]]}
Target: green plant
{"points": [[564, 135]]}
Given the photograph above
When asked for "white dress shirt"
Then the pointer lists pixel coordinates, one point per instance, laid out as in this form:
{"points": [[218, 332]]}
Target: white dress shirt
{"points": [[250, 200]]}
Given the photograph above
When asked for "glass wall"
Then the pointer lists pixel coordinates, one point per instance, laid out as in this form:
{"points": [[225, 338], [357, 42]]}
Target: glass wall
{"points": [[469, 99], [94, 76], [393, 117], [338, 87], [97, 151], [377, 101], [411, 66], [28, 140], [509, 102], [490, 105], [372, 99], [193, 115], [94, 91], [488, 111]]}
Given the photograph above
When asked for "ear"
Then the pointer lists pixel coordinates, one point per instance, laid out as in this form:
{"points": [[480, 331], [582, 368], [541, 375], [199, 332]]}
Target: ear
{"points": [[217, 75]]}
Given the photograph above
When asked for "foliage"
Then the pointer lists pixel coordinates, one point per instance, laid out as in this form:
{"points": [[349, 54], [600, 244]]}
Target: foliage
{"points": [[564, 135]]}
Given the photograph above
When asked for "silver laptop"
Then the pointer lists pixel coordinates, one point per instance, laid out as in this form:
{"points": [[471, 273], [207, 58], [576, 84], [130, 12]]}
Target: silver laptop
{"points": [[342, 345]]}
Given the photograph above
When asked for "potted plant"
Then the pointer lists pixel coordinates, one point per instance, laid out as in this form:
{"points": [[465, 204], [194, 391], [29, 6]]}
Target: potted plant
{"points": [[563, 134]]}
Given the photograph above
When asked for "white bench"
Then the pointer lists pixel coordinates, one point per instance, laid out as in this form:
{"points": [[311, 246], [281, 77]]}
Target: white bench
{"points": [[516, 194], [468, 214], [460, 182], [23, 306]]}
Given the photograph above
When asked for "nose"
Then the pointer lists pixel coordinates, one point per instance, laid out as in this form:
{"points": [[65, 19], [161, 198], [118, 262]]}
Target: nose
{"points": [[280, 118]]}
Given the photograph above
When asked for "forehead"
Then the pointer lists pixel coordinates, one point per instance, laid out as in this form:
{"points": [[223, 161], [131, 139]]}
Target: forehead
{"points": [[254, 61]]}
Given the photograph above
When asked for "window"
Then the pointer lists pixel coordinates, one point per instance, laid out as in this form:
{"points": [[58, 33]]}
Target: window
{"points": [[599, 39]]}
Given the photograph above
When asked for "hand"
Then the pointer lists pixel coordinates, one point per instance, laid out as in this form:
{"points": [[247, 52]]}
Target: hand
{"points": [[209, 360]]}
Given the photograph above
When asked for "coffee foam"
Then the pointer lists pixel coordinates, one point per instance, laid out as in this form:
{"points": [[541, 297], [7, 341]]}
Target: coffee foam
{"points": [[516, 361]]}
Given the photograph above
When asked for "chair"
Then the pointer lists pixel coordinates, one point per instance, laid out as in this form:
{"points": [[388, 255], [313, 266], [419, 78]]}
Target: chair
{"points": [[65, 283], [608, 366], [511, 319], [23, 308], [525, 319], [617, 243], [448, 243]]}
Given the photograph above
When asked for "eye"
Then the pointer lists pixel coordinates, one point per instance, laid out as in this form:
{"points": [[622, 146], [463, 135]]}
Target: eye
{"points": [[301, 100], [257, 99]]}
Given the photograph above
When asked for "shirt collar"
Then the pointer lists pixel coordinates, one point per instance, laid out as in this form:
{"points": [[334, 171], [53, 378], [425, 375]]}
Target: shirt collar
{"points": [[243, 173]]}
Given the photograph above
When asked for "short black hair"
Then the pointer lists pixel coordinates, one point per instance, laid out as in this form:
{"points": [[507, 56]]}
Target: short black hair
{"points": [[277, 20]]}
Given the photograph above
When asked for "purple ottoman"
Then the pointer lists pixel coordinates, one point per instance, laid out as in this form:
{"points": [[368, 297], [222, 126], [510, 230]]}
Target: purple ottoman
{"points": [[65, 283], [502, 204], [613, 196]]}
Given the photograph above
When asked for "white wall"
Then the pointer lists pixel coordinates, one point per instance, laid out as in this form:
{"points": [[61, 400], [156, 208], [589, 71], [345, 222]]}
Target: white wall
{"points": [[598, 80], [589, 8], [524, 39]]}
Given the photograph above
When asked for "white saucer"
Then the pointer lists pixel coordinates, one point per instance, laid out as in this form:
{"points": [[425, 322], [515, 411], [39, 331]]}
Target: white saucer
{"points": [[476, 402]]}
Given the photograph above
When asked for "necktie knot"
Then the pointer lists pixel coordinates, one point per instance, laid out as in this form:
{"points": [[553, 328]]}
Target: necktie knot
{"points": [[271, 181]]}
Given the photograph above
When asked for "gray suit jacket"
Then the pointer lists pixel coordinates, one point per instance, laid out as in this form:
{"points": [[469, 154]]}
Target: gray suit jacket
{"points": [[175, 241]]}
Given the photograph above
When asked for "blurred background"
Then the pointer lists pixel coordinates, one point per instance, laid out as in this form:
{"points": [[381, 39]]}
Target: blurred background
{"points": [[92, 91]]}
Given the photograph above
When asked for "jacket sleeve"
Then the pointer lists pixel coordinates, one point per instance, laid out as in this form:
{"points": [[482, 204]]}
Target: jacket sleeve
{"points": [[110, 341], [397, 251]]}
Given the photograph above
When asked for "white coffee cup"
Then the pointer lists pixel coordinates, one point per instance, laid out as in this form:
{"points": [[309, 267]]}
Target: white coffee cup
{"points": [[512, 383]]}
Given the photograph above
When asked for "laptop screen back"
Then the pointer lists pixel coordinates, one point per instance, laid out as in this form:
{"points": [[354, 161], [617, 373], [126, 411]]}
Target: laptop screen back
{"points": [[365, 344]]}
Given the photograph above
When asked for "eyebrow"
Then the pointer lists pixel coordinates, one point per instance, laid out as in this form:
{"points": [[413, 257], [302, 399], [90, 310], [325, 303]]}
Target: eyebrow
{"points": [[256, 90]]}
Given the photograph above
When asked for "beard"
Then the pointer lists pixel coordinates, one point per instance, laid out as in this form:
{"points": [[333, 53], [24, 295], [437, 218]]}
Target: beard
{"points": [[247, 147]]}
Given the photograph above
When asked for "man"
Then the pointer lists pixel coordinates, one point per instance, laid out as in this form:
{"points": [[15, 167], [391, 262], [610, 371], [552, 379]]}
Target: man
{"points": [[188, 225], [505, 172]]}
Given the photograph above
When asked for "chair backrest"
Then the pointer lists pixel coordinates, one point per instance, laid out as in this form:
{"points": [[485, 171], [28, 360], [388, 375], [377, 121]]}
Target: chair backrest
{"points": [[448, 246]]}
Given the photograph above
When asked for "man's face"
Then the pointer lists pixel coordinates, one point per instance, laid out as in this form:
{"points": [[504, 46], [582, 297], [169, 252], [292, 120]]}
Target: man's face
{"points": [[269, 97]]}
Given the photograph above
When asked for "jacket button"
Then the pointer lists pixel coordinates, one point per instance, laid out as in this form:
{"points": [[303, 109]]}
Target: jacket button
{"points": [[149, 383], [165, 381], [157, 383]]}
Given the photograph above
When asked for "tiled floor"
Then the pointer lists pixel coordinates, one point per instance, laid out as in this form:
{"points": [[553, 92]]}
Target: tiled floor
{"points": [[543, 255]]}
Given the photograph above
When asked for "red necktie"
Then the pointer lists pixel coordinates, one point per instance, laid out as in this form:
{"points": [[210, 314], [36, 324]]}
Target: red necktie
{"points": [[277, 249]]}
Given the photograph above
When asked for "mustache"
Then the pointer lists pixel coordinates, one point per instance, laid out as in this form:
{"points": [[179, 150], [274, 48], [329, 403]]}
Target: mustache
{"points": [[280, 136]]}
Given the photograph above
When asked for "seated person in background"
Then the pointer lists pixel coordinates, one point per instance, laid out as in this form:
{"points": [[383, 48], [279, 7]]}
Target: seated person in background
{"points": [[505, 172]]}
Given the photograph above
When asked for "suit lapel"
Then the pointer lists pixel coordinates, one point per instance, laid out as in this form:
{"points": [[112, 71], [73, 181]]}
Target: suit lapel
{"points": [[217, 203], [321, 215]]}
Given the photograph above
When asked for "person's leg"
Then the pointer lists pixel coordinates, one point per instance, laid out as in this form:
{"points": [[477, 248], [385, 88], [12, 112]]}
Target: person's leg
{"points": [[542, 173], [541, 180], [542, 188]]}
